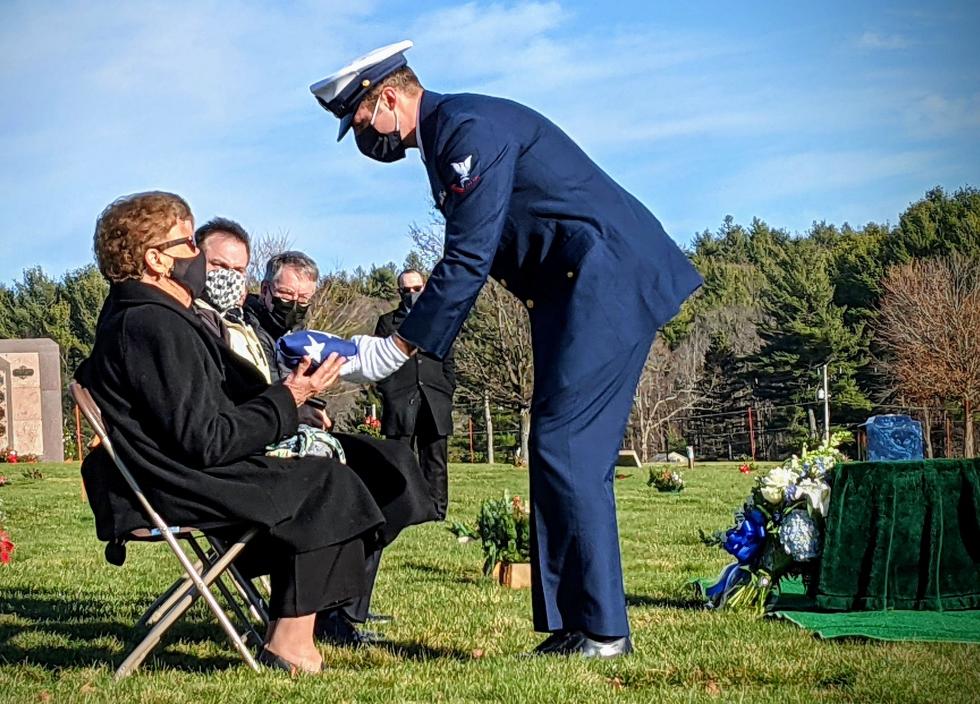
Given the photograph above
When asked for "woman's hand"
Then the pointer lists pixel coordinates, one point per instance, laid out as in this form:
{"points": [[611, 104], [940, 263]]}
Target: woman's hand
{"points": [[304, 387]]}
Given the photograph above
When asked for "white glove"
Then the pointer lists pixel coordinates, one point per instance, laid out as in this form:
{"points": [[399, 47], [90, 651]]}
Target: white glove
{"points": [[377, 358]]}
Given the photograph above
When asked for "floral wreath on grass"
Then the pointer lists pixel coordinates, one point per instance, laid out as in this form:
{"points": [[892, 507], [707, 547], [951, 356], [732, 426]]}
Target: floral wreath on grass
{"points": [[9, 456], [666, 479], [778, 532]]}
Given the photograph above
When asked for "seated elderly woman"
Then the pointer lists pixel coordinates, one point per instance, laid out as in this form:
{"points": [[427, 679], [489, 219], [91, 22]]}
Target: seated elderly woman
{"points": [[192, 420]]}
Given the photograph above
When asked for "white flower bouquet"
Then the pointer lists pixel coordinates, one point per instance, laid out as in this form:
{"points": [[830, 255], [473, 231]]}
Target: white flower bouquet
{"points": [[778, 532]]}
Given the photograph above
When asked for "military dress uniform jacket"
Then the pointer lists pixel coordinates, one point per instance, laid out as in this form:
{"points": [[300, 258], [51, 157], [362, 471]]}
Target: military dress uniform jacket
{"points": [[422, 376], [598, 274], [524, 204]]}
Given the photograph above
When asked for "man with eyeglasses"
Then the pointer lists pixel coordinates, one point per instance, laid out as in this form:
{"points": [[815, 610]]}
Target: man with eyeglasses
{"points": [[283, 300], [418, 398], [280, 307]]}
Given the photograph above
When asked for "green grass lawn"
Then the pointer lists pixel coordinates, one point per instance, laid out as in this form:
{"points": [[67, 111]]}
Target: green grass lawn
{"points": [[66, 617]]}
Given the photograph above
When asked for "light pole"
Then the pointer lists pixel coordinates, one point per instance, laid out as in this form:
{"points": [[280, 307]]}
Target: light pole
{"points": [[823, 394]]}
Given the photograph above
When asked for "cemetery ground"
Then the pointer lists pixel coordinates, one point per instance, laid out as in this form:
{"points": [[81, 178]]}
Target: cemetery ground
{"points": [[66, 619]]}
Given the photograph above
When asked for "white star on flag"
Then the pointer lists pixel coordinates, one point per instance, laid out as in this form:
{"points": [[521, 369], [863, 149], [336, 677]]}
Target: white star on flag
{"points": [[314, 349]]}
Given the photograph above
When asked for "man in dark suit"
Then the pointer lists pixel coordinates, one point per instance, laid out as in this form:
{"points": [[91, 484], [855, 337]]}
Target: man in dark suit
{"points": [[418, 398], [599, 276]]}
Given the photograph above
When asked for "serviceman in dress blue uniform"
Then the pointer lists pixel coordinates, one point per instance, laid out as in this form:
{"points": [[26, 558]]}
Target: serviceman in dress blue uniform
{"points": [[599, 276]]}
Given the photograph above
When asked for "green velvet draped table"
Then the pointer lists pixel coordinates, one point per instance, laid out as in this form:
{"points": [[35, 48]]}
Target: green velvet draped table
{"points": [[902, 535]]}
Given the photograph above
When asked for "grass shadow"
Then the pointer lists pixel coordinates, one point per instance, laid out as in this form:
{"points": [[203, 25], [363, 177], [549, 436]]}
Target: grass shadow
{"points": [[428, 568], [85, 621], [684, 603], [418, 652]]}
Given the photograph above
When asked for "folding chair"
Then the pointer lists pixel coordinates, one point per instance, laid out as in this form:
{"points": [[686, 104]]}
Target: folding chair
{"points": [[198, 577]]}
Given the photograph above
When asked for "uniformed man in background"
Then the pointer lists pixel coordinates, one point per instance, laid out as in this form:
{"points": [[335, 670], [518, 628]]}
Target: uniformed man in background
{"points": [[599, 276]]}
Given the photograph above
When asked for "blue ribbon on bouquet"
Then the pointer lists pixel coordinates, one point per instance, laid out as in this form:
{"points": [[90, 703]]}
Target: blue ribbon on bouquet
{"points": [[744, 542], [730, 577], [746, 539]]}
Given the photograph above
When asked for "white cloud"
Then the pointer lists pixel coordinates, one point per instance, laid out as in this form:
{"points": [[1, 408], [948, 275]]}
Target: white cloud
{"points": [[212, 101], [875, 40], [934, 115]]}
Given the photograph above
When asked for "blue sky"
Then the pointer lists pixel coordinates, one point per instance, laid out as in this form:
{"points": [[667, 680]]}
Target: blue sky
{"points": [[789, 112]]}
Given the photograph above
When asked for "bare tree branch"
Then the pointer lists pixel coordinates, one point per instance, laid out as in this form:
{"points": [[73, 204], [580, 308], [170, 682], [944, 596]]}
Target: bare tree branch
{"points": [[929, 325]]}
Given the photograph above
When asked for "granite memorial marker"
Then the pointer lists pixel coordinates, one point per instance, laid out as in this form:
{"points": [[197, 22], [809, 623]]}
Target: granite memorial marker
{"points": [[30, 398]]}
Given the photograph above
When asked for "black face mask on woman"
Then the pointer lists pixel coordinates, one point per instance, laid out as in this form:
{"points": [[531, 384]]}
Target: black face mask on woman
{"points": [[380, 147], [191, 273]]}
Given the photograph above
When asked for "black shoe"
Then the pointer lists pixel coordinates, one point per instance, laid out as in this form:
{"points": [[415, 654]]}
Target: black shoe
{"points": [[274, 662], [379, 618], [550, 644], [332, 627], [580, 644]]}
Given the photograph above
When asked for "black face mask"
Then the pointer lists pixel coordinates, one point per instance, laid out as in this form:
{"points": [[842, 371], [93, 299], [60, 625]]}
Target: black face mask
{"points": [[381, 147], [288, 314], [409, 298], [191, 273]]}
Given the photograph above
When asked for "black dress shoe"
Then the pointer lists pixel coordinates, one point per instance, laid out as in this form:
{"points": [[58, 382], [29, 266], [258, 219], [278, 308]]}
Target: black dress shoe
{"points": [[580, 644], [333, 628], [379, 618], [552, 643]]}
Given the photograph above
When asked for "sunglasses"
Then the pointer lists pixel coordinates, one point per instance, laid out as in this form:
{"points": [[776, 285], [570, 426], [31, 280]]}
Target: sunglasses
{"points": [[189, 241], [411, 289]]}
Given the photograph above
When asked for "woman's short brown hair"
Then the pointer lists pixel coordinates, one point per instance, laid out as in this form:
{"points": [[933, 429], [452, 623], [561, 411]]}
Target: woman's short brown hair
{"points": [[129, 224]]}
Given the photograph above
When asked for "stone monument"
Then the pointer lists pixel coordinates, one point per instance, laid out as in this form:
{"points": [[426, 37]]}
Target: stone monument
{"points": [[30, 398]]}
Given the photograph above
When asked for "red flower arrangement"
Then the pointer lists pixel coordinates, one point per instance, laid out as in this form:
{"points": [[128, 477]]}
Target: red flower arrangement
{"points": [[370, 426], [10, 456], [746, 468], [6, 547]]}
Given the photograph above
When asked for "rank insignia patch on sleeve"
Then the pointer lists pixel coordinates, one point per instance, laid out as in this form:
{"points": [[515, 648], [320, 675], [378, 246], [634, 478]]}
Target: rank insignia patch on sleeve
{"points": [[464, 179]]}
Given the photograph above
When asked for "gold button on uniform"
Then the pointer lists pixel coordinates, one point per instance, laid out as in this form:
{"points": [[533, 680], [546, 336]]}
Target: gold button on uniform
{"points": [[570, 274], [530, 303], [503, 282]]}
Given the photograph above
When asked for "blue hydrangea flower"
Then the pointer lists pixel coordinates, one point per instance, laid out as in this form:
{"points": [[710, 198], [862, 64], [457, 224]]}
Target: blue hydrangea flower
{"points": [[821, 466], [799, 536]]}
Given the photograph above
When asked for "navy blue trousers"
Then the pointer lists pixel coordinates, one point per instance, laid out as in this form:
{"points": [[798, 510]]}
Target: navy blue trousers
{"points": [[586, 372]]}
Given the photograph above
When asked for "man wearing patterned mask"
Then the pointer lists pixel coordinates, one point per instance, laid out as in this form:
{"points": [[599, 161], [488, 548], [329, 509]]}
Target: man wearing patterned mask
{"points": [[227, 249], [251, 324]]}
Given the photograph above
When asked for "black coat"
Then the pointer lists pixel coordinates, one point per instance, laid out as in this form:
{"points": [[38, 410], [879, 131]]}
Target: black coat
{"points": [[191, 420], [422, 375], [267, 330]]}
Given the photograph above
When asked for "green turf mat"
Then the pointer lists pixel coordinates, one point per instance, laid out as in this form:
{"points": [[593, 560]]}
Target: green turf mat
{"points": [[934, 626]]}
